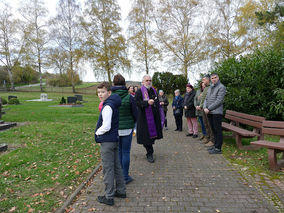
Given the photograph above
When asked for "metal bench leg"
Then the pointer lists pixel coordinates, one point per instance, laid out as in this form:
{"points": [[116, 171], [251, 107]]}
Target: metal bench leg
{"points": [[272, 159]]}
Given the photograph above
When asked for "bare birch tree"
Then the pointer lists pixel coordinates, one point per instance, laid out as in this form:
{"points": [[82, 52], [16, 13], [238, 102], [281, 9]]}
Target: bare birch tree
{"points": [[66, 31], [105, 46], [145, 48], [36, 34], [181, 33], [11, 42]]}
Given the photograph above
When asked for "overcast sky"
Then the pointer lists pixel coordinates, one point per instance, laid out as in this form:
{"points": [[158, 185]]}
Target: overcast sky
{"points": [[125, 6]]}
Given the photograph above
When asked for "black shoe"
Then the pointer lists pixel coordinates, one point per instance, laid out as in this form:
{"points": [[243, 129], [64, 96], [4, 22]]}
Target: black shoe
{"points": [[211, 147], [129, 180], [215, 151], [117, 194], [104, 200], [180, 130], [189, 134], [176, 129], [150, 158], [195, 136]]}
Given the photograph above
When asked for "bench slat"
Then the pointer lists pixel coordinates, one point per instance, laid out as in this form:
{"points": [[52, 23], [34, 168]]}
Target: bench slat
{"points": [[273, 124], [246, 116], [256, 124], [240, 131], [272, 131], [269, 145]]}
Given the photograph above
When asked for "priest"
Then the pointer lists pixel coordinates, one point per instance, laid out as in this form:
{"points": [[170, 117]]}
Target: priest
{"points": [[150, 117]]}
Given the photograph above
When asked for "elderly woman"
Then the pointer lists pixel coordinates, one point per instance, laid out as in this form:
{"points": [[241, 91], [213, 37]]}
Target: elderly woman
{"points": [[190, 111], [164, 103], [178, 109]]}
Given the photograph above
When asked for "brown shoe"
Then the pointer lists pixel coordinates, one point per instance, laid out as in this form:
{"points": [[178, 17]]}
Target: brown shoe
{"points": [[210, 143], [205, 140], [201, 138]]}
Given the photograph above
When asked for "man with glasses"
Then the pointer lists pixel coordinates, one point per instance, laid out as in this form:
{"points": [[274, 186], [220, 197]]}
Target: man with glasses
{"points": [[149, 125]]}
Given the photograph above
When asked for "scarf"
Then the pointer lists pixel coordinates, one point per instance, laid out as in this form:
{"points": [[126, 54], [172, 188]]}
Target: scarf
{"points": [[149, 114]]}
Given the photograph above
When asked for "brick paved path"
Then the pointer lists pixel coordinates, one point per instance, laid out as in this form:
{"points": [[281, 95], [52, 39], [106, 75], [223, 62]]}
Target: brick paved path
{"points": [[184, 178]]}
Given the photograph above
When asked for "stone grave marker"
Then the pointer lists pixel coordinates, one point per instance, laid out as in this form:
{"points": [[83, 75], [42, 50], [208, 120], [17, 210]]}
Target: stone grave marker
{"points": [[79, 97], [43, 97], [71, 100]]}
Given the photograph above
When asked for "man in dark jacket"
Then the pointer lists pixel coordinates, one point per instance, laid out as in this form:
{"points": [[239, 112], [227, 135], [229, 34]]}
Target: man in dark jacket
{"points": [[213, 107], [149, 125]]}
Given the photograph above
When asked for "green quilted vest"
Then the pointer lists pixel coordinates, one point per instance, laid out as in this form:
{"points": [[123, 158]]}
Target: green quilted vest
{"points": [[126, 120]]}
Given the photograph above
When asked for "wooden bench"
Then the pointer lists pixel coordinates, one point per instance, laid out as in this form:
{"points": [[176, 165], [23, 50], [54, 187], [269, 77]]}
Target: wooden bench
{"points": [[237, 118], [272, 128]]}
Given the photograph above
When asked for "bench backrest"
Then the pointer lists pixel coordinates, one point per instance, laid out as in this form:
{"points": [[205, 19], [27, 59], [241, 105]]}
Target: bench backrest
{"points": [[251, 120], [274, 128]]}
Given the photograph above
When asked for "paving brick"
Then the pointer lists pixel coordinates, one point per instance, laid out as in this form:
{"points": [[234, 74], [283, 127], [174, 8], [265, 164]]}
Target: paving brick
{"points": [[184, 178]]}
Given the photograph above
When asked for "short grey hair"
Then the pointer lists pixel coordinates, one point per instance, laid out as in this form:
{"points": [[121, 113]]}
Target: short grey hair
{"points": [[147, 75], [177, 90]]}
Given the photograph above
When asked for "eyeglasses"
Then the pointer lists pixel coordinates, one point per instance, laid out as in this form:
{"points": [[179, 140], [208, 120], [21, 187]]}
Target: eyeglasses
{"points": [[148, 80]]}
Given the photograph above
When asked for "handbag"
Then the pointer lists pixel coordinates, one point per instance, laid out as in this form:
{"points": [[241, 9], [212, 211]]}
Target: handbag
{"points": [[177, 111]]}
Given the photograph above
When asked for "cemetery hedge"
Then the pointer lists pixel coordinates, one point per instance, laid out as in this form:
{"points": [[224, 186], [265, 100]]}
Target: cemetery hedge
{"points": [[255, 83], [169, 82]]}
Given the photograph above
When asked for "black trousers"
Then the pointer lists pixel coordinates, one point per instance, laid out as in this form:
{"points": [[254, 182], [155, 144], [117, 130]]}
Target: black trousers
{"points": [[149, 148], [166, 122], [178, 119], [215, 121]]}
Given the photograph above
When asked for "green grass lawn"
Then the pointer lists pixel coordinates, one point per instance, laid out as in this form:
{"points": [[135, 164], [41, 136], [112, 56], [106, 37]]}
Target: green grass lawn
{"points": [[256, 161], [49, 156]]}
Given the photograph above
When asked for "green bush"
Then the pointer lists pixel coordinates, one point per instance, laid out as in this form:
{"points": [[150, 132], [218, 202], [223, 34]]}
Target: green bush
{"points": [[14, 101], [254, 83], [169, 82], [62, 101], [63, 80], [4, 101]]}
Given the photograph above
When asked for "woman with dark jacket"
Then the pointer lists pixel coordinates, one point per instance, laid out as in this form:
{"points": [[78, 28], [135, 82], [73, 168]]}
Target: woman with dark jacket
{"points": [[177, 108], [164, 103], [127, 119], [189, 111]]}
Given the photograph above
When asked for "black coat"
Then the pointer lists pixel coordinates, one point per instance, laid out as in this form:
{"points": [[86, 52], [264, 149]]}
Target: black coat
{"points": [[142, 126], [189, 102]]}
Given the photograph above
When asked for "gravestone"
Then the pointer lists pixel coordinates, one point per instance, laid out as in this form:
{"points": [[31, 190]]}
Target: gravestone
{"points": [[79, 97], [11, 96], [71, 100], [4, 125], [3, 147], [43, 97]]}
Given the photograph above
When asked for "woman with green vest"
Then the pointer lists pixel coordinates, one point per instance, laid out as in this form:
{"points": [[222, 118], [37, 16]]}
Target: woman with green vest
{"points": [[127, 119]]}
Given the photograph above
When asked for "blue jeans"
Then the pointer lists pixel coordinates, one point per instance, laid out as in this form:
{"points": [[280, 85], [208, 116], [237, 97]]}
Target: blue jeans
{"points": [[124, 154], [202, 125]]}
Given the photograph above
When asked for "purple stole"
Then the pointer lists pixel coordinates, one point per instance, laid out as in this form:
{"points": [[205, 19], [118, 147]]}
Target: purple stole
{"points": [[149, 114]]}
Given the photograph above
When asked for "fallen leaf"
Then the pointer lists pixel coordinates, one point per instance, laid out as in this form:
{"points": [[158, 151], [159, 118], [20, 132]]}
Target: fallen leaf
{"points": [[12, 209], [30, 210]]}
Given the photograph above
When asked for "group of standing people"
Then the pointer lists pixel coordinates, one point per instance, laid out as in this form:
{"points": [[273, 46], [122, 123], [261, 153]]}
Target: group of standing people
{"points": [[122, 109], [206, 105]]}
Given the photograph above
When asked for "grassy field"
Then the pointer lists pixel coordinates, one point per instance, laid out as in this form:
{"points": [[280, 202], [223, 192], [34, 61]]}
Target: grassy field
{"points": [[49, 155]]}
